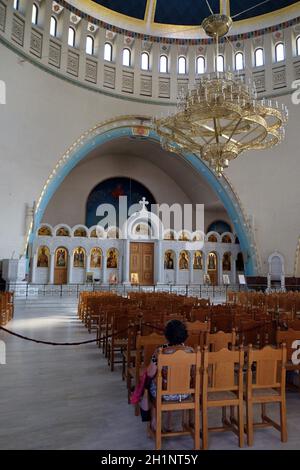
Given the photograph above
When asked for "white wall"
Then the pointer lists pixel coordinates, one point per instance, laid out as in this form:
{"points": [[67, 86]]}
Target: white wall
{"points": [[45, 114]]}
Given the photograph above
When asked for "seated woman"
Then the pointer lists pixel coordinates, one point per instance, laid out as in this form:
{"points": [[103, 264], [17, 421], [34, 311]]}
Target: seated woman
{"points": [[176, 334]]}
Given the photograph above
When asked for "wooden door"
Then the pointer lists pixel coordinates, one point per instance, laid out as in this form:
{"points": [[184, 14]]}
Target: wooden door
{"points": [[61, 266], [142, 263], [212, 268]]}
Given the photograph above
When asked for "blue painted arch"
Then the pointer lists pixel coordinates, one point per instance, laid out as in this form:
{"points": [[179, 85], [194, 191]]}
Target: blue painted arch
{"points": [[221, 188]]}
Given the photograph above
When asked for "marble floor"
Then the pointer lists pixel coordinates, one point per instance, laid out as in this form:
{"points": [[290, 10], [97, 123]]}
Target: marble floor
{"points": [[65, 397]]}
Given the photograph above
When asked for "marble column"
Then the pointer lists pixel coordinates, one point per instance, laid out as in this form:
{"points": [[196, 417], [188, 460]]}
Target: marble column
{"points": [[191, 268], [70, 268], [51, 270], [104, 269], [87, 264], [34, 266], [233, 269], [126, 262], [160, 263], [176, 267]]}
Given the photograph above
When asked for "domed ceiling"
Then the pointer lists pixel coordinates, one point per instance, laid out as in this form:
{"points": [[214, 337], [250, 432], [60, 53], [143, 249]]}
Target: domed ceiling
{"points": [[182, 18], [192, 12]]}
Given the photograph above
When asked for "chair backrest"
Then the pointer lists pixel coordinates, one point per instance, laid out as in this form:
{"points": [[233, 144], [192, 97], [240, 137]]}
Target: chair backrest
{"points": [[145, 347], [223, 370], [178, 373], [221, 340], [197, 333], [287, 337], [270, 368]]}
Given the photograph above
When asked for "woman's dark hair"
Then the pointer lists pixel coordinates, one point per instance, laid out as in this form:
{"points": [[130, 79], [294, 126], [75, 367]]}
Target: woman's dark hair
{"points": [[175, 332]]}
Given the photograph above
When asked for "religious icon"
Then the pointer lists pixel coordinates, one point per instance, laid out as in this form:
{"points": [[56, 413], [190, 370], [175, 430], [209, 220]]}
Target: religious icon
{"points": [[80, 232], [43, 257], [62, 232], [242, 279], [96, 258], [89, 277], [112, 259], [169, 260], [169, 235], [79, 258], [226, 262], [184, 237], [44, 231], [61, 258], [206, 279], [134, 278], [198, 260], [212, 261], [183, 260]]}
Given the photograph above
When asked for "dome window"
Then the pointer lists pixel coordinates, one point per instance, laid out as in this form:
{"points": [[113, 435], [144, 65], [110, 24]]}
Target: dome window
{"points": [[108, 52]]}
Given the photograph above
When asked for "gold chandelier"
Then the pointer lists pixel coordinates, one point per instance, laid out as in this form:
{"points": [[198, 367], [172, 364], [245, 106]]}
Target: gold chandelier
{"points": [[221, 117]]}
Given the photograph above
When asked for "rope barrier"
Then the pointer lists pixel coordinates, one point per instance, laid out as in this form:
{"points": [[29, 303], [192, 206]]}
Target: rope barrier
{"points": [[61, 344]]}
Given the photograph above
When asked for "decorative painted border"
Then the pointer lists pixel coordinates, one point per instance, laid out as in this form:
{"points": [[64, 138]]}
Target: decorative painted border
{"points": [[123, 126], [164, 40]]}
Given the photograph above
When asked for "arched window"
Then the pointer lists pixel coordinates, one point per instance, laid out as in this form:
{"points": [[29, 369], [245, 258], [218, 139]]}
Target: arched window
{"points": [[126, 57], [108, 51], [239, 61], [16, 4], [298, 45], [53, 26], [89, 45], [200, 65], [279, 52], [71, 36], [220, 63], [145, 61], [259, 57], [163, 64], [181, 65], [34, 15]]}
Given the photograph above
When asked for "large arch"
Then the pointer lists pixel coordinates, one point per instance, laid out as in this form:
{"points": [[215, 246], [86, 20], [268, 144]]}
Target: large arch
{"points": [[141, 127]]}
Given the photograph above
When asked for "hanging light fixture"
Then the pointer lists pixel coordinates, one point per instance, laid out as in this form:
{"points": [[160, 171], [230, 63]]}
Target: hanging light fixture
{"points": [[221, 117]]}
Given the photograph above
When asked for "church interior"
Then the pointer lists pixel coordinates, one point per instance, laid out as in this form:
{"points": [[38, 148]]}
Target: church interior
{"points": [[150, 229]]}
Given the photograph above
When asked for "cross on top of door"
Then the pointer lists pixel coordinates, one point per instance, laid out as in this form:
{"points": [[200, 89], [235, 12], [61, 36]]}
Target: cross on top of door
{"points": [[144, 203]]}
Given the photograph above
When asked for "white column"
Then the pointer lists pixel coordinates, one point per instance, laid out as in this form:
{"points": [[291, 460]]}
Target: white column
{"points": [[191, 268], [160, 263], [51, 271], [34, 266], [104, 261], [220, 268], [70, 269], [88, 264], [120, 267], [176, 267], [233, 269], [126, 262]]}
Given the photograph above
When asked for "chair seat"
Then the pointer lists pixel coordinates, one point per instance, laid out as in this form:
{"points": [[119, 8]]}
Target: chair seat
{"points": [[265, 392], [224, 395]]}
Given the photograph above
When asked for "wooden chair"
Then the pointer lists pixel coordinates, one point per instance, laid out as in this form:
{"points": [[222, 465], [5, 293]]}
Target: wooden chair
{"points": [[266, 385], [221, 340], [197, 332], [178, 373], [145, 347], [223, 387]]}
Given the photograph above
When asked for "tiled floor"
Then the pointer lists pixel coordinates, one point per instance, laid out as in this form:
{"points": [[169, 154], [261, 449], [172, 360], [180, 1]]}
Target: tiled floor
{"points": [[59, 397]]}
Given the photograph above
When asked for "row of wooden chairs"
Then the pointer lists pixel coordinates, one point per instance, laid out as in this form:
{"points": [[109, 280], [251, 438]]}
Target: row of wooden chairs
{"points": [[6, 307], [274, 302], [216, 380]]}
